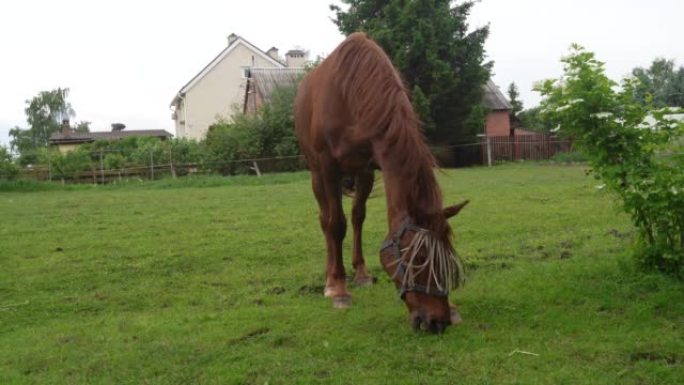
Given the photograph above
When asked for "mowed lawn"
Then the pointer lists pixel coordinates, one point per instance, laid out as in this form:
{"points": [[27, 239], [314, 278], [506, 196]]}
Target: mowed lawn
{"points": [[220, 281]]}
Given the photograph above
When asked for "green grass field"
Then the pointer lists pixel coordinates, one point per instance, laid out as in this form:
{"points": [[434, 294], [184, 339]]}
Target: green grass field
{"points": [[220, 280]]}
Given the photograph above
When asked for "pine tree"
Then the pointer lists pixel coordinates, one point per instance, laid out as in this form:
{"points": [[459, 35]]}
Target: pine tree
{"points": [[442, 62], [513, 96]]}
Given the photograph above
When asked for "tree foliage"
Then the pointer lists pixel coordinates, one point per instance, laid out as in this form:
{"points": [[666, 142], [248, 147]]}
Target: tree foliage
{"points": [[22, 143], [635, 149], [442, 62], [661, 85], [44, 114], [81, 127], [8, 170], [69, 165], [514, 98], [532, 119], [269, 133]]}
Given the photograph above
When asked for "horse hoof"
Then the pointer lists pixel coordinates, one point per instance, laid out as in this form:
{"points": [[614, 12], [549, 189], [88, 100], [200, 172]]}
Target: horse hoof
{"points": [[342, 302], [328, 292], [364, 282]]}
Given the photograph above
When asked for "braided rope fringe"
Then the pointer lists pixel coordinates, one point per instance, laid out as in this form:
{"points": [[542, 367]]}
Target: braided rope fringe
{"points": [[443, 265]]}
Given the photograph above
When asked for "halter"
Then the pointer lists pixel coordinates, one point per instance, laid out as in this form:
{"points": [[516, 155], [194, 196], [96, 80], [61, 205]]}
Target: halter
{"points": [[393, 245]]}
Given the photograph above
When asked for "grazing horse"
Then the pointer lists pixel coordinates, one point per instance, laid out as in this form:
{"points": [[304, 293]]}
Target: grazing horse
{"points": [[353, 112]]}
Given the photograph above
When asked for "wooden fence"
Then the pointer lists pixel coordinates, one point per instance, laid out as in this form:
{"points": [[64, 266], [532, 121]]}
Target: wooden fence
{"points": [[98, 174], [484, 151], [524, 147], [496, 149]]}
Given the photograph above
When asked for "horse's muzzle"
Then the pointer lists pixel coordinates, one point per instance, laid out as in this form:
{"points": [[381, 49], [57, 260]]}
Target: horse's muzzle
{"points": [[421, 322]]}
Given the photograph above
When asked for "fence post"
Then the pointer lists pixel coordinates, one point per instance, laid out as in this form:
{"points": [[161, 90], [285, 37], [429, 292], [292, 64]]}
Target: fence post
{"points": [[173, 170], [255, 167], [49, 168], [151, 165], [489, 151], [102, 168]]}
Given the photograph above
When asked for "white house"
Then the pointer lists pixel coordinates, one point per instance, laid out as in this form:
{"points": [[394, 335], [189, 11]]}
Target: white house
{"points": [[218, 90]]}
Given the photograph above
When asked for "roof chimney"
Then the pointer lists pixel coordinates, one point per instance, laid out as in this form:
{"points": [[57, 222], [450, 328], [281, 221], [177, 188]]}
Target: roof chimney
{"points": [[296, 58], [231, 38], [66, 127], [116, 127], [273, 53]]}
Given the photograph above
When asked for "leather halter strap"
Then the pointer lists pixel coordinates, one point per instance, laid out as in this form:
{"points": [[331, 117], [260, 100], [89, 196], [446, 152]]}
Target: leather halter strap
{"points": [[393, 243]]}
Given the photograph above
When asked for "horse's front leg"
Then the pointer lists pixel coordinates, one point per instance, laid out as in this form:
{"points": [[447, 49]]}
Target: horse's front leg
{"points": [[363, 187], [328, 190]]}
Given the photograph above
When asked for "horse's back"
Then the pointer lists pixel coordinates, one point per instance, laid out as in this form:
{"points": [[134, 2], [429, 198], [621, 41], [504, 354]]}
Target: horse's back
{"points": [[347, 102], [317, 108]]}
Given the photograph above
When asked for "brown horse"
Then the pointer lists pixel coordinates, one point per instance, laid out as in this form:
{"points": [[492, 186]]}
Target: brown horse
{"points": [[353, 112]]}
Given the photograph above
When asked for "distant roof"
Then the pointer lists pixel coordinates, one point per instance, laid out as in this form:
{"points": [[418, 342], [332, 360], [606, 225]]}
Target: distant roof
{"points": [[265, 80], [236, 40], [87, 137], [493, 98], [293, 52]]}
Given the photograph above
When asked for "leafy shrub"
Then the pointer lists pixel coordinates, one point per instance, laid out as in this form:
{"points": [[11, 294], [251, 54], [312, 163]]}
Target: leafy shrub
{"points": [[269, 133], [637, 151], [67, 166], [8, 170], [114, 161]]}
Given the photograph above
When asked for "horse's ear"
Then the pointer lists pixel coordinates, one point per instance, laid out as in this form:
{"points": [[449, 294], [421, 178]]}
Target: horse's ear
{"points": [[453, 210]]}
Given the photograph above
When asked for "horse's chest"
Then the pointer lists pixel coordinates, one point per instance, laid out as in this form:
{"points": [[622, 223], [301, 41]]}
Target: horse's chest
{"points": [[350, 156]]}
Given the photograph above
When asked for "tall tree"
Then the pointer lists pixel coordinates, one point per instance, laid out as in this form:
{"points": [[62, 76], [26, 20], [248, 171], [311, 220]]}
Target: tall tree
{"points": [[661, 83], [513, 97], [442, 62], [532, 119], [21, 141], [81, 127], [44, 113]]}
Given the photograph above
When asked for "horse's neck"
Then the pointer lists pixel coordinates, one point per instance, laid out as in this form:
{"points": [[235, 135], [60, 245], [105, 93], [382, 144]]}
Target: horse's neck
{"points": [[407, 167], [397, 204], [400, 205]]}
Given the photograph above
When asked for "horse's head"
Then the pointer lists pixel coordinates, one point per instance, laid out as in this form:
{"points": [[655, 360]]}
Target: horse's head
{"points": [[424, 268]]}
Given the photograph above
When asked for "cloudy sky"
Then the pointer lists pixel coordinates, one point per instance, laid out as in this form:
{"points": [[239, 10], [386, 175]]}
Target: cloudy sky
{"points": [[124, 60]]}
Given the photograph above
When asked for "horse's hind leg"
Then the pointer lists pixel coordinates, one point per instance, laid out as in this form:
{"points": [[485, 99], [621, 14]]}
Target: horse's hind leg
{"points": [[363, 188], [328, 190]]}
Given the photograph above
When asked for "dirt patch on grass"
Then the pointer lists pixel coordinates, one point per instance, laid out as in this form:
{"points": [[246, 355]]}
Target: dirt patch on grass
{"points": [[247, 336], [669, 358], [277, 290], [311, 290]]}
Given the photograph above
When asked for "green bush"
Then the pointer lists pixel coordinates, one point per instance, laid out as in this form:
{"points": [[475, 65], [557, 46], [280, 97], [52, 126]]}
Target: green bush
{"points": [[637, 152], [268, 134], [67, 166], [114, 161], [8, 170], [141, 152]]}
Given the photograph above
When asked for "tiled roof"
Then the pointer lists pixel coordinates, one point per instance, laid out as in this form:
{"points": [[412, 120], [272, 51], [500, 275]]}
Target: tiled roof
{"points": [[60, 138], [268, 79], [494, 99]]}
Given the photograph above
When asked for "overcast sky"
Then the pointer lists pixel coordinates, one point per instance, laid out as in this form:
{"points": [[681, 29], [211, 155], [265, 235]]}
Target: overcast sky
{"points": [[124, 60]]}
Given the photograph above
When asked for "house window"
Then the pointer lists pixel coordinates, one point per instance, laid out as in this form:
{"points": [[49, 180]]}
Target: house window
{"points": [[245, 72]]}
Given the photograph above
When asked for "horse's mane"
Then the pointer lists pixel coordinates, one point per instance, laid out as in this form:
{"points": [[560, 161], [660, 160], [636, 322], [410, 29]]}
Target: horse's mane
{"points": [[376, 96]]}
